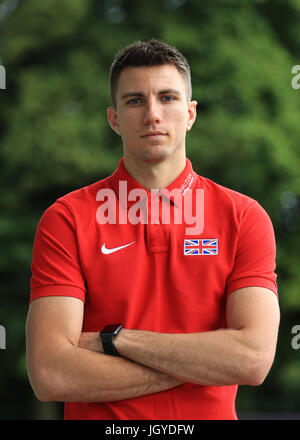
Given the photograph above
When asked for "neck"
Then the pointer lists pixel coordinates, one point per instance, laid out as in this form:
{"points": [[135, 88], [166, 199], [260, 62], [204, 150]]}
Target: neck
{"points": [[155, 175]]}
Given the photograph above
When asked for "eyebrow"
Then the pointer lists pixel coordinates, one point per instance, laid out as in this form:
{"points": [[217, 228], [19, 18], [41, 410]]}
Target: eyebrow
{"points": [[140, 94]]}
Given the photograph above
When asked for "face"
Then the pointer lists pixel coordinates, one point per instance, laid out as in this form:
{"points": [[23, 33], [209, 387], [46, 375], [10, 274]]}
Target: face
{"points": [[152, 113]]}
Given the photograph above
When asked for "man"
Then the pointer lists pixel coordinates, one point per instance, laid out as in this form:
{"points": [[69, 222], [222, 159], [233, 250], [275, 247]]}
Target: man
{"points": [[194, 312]]}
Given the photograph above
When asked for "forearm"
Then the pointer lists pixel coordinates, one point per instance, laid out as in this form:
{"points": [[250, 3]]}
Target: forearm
{"points": [[222, 357], [83, 375]]}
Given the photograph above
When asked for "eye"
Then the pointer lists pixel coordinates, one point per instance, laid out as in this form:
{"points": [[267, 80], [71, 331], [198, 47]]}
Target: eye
{"points": [[168, 98], [134, 101]]}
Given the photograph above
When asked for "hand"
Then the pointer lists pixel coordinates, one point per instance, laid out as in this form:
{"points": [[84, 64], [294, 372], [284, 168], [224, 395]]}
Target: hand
{"points": [[90, 341]]}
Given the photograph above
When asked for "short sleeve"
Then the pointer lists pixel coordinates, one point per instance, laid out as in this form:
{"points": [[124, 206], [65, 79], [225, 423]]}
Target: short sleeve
{"points": [[55, 267], [254, 264]]}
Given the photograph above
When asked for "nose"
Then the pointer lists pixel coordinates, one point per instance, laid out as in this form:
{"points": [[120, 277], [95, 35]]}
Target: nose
{"points": [[152, 113]]}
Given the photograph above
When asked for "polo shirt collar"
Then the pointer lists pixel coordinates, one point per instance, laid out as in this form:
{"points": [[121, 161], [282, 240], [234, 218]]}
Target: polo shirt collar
{"points": [[184, 182]]}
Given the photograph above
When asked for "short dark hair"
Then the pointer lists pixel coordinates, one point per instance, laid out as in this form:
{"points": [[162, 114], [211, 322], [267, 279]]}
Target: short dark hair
{"points": [[149, 53]]}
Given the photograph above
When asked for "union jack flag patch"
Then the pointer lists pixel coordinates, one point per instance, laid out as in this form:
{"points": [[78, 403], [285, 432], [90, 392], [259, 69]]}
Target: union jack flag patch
{"points": [[201, 246]]}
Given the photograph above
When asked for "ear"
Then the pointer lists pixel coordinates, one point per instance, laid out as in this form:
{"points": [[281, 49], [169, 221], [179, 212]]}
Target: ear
{"points": [[192, 112], [112, 117]]}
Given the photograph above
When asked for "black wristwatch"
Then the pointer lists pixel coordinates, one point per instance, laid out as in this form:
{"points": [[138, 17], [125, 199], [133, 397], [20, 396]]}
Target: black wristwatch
{"points": [[107, 334]]}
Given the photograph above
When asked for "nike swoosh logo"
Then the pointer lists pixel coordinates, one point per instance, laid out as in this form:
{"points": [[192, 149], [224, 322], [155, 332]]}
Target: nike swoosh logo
{"points": [[106, 251]]}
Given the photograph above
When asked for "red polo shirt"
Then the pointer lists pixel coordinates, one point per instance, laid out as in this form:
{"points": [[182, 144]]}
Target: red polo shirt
{"points": [[152, 275]]}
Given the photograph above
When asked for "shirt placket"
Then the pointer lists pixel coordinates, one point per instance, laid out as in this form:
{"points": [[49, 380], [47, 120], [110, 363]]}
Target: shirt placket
{"points": [[158, 233]]}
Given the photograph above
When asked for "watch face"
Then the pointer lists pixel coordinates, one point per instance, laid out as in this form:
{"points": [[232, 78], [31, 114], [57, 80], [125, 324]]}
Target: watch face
{"points": [[111, 328]]}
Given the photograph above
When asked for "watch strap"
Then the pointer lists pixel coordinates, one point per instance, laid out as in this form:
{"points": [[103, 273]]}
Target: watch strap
{"points": [[108, 345], [107, 335]]}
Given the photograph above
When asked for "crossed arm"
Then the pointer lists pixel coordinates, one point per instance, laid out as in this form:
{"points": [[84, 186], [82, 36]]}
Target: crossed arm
{"points": [[67, 365]]}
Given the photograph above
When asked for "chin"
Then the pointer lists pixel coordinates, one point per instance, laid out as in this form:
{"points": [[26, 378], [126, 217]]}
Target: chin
{"points": [[155, 155]]}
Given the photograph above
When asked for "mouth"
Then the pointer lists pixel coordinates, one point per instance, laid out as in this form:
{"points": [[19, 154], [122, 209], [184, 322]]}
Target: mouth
{"points": [[154, 134]]}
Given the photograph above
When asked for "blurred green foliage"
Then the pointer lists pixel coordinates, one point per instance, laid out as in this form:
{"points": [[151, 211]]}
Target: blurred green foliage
{"points": [[55, 138]]}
